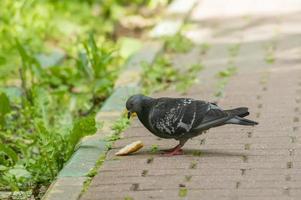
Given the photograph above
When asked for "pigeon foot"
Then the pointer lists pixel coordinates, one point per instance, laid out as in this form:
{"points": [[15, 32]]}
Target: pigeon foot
{"points": [[168, 150], [175, 152]]}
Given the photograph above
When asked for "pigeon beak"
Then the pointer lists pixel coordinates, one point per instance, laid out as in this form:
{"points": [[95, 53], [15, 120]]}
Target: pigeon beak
{"points": [[129, 114]]}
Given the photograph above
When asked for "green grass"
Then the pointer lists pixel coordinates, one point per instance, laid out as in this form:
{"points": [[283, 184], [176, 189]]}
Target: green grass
{"points": [[204, 48], [234, 50], [154, 148], [93, 172], [270, 58], [183, 192], [121, 124], [118, 127], [162, 75], [228, 72], [159, 75], [223, 77], [178, 43], [270, 53], [46, 110], [188, 78], [197, 153]]}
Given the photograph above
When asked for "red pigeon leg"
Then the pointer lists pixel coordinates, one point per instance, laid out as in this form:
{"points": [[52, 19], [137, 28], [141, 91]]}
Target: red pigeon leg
{"points": [[177, 150]]}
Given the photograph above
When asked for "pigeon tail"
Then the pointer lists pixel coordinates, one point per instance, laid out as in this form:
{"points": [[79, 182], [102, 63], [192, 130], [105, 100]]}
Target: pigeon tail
{"points": [[241, 112], [241, 121], [238, 114]]}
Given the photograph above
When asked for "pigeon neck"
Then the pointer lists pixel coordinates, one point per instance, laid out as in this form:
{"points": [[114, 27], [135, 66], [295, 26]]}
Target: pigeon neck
{"points": [[143, 114]]}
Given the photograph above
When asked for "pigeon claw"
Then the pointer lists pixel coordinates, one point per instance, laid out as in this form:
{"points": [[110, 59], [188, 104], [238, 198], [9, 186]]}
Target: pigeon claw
{"points": [[168, 150], [175, 152]]}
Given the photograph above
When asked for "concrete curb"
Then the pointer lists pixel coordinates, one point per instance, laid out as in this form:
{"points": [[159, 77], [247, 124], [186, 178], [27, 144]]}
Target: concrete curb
{"points": [[70, 181], [175, 17]]}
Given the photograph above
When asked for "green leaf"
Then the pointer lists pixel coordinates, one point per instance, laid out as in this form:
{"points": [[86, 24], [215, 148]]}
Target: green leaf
{"points": [[4, 107], [9, 152], [3, 168], [82, 127], [4, 104], [85, 126], [83, 65], [19, 173], [2, 60], [178, 43]]}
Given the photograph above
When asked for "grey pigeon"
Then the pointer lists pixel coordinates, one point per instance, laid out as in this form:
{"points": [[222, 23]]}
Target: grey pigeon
{"points": [[182, 118]]}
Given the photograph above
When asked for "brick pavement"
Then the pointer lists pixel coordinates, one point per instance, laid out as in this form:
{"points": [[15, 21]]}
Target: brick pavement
{"points": [[229, 162]]}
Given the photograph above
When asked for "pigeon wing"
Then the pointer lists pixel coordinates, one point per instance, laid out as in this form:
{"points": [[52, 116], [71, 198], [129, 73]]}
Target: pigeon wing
{"points": [[214, 116], [171, 118]]}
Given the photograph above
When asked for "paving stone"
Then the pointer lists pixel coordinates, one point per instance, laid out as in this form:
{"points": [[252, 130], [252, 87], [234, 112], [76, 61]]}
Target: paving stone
{"points": [[229, 162]]}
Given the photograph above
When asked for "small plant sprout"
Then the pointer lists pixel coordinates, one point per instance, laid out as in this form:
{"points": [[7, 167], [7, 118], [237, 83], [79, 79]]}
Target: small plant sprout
{"points": [[233, 50], [190, 77], [183, 192], [270, 58], [270, 53], [119, 126], [154, 148], [178, 44], [197, 153], [228, 72], [204, 48], [223, 76]]}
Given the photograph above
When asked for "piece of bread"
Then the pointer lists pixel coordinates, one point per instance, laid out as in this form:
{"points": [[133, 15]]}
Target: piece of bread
{"points": [[130, 148]]}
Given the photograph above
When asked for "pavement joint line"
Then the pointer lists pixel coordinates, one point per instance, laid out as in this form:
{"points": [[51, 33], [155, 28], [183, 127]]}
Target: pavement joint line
{"points": [[70, 181]]}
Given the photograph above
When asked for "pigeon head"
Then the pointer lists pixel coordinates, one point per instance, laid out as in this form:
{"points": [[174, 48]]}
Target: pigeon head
{"points": [[134, 104]]}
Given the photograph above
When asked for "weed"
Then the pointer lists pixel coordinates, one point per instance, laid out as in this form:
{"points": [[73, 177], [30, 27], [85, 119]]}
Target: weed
{"points": [[269, 58], [197, 153], [178, 43], [224, 75], [193, 165], [189, 77], [149, 160], [121, 124], [230, 71], [162, 75], [93, 172], [204, 48], [233, 50], [159, 75], [109, 145], [144, 173], [4, 108], [46, 110], [220, 87], [183, 192], [270, 53], [154, 148]]}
